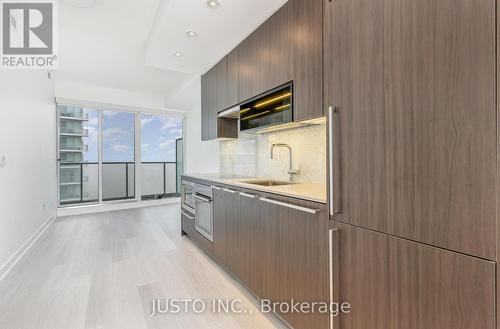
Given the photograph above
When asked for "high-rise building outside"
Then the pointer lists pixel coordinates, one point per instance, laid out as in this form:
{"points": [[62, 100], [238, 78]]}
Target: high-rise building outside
{"points": [[71, 152]]}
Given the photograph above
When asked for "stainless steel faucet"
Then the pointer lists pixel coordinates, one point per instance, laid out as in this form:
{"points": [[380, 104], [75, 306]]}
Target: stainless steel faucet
{"points": [[290, 171]]}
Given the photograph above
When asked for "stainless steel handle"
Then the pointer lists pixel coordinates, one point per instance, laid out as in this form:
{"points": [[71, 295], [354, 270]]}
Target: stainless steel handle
{"points": [[202, 198], [333, 272], [333, 199], [187, 215], [289, 205], [251, 196], [330, 157], [228, 190]]}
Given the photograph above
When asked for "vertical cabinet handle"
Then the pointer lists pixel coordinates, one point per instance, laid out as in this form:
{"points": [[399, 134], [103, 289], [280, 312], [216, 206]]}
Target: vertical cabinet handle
{"points": [[334, 154], [334, 274]]}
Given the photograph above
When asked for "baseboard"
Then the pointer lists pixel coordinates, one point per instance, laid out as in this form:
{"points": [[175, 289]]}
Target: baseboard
{"points": [[16, 257], [122, 205]]}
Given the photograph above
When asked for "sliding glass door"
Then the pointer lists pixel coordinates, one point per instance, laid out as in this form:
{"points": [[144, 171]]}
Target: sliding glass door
{"points": [[118, 155], [99, 151], [159, 162], [78, 155]]}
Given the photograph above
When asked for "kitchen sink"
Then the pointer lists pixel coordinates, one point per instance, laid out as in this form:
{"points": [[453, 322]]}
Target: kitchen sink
{"points": [[268, 182]]}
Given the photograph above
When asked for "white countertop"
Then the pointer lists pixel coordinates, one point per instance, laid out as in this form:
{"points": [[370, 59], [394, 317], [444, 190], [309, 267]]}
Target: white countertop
{"points": [[303, 190]]}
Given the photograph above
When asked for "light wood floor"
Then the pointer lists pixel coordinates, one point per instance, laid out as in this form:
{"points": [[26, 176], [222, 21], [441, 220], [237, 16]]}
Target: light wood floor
{"points": [[103, 270]]}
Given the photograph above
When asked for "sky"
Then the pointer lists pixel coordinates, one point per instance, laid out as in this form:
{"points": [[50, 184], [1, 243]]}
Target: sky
{"points": [[158, 136]]}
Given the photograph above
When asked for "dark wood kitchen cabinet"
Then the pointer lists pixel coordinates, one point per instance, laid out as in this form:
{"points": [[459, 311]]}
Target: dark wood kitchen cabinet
{"points": [[287, 47], [246, 247], [220, 85], [214, 98], [392, 283], [233, 249], [294, 255], [276, 246], [232, 78], [209, 105], [219, 219], [414, 130], [254, 63], [295, 42]]}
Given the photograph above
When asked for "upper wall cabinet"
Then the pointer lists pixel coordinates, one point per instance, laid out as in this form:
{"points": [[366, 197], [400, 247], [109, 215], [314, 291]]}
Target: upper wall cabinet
{"points": [[208, 105], [214, 98], [232, 82], [254, 64], [295, 53], [287, 47], [414, 147]]}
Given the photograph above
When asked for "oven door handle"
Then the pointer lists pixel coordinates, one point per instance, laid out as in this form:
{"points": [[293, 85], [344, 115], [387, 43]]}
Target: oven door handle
{"points": [[197, 196]]}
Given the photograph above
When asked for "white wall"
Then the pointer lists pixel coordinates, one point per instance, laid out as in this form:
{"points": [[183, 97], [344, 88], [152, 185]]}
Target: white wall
{"points": [[100, 94], [201, 157], [28, 181]]}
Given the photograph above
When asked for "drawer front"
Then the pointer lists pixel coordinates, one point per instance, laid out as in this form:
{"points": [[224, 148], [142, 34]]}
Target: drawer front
{"points": [[393, 283], [187, 222]]}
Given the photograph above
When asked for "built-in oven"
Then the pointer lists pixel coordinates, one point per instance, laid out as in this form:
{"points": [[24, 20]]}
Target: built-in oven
{"points": [[203, 219], [271, 108], [187, 195]]}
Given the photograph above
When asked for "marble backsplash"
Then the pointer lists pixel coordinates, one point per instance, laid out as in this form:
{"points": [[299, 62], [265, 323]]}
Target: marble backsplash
{"points": [[249, 155]]}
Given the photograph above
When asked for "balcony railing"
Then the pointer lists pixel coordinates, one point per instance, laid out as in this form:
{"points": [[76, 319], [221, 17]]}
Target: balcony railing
{"points": [[74, 131], [73, 115], [74, 148], [80, 181]]}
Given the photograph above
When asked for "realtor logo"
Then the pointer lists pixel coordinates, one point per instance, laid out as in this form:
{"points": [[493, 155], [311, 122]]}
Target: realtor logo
{"points": [[28, 38]]}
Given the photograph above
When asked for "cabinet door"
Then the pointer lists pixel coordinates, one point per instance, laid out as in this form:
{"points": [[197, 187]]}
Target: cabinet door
{"points": [[254, 63], [233, 223], [209, 105], [294, 256], [205, 108], [221, 86], [306, 57], [232, 77], [219, 213], [393, 283], [413, 82], [249, 237]]}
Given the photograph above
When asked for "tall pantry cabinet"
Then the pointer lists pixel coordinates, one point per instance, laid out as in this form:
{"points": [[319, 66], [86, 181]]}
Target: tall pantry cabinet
{"points": [[410, 88]]}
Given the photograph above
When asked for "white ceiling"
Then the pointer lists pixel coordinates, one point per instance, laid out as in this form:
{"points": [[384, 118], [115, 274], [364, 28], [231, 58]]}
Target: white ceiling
{"points": [[129, 44]]}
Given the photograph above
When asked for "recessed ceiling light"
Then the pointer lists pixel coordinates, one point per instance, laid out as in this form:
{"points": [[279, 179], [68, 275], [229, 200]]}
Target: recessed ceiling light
{"points": [[191, 33], [177, 54], [214, 4]]}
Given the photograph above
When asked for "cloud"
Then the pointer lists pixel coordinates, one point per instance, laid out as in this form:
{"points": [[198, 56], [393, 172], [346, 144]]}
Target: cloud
{"points": [[93, 121], [145, 121], [166, 144], [120, 148], [109, 114], [113, 133], [171, 123], [93, 134]]}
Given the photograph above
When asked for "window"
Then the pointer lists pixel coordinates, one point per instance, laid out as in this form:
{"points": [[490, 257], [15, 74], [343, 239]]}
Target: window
{"points": [[160, 142], [78, 155], [118, 155], [98, 160]]}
